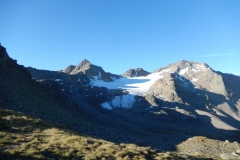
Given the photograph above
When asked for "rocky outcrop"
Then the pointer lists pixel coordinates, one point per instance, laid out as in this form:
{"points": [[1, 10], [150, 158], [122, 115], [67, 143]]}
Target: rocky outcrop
{"points": [[69, 69], [137, 72], [165, 89], [19, 92], [152, 100], [90, 70]]}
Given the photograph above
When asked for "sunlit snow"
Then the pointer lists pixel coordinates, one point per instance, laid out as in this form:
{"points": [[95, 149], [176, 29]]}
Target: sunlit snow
{"points": [[199, 68], [183, 71], [134, 85], [194, 80]]}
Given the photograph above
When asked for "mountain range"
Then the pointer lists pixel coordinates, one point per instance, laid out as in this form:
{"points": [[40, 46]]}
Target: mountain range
{"points": [[188, 91], [180, 100]]}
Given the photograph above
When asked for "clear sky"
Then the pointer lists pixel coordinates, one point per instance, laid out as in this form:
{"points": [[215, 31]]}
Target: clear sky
{"points": [[122, 34]]}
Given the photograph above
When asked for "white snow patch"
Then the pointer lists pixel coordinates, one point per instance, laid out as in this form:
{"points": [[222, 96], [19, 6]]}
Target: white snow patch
{"points": [[199, 68], [194, 80], [106, 105], [134, 85], [99, 74], [124, 101], [58, 80], [63, 89], [183, 71], [150, 107]]}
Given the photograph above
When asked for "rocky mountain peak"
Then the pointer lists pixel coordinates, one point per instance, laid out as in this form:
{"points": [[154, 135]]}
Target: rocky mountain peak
{"points": [[81, 67], [90, 70], [84, 62], [136, 72], [69, 69], [184, 66]]}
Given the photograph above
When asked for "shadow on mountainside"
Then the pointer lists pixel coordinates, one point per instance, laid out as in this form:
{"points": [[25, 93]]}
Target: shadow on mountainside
{"points": [[26, 137], [162, 132], [209, 102]]}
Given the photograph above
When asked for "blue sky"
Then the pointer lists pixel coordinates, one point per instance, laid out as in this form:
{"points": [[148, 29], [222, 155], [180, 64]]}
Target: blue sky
{"points": [[122, 34]]}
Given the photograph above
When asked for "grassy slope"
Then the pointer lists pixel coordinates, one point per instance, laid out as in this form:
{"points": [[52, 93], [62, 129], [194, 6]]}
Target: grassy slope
{"points": [[25, 137]]}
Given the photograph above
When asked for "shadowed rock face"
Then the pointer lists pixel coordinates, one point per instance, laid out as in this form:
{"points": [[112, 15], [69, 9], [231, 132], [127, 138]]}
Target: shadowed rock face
{"points": [[19, 92], [137, 72], [3, 53]]}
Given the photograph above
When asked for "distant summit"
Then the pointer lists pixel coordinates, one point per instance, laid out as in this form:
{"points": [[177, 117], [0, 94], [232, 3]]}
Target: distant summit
{"points": [[69, 69], [89, 69], [195, 66], [137, 72]]}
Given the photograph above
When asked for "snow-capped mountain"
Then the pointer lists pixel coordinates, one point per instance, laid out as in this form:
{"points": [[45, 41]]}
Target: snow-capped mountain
{"points": [[180, 91], [160, 109]]}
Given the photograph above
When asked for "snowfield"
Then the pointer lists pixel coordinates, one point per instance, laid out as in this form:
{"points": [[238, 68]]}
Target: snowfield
{"points": [[134, 85], [139, 85]]}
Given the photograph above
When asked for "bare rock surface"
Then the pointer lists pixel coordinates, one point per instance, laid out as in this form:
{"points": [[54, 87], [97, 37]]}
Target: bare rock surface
{"points": [[136, 72]]}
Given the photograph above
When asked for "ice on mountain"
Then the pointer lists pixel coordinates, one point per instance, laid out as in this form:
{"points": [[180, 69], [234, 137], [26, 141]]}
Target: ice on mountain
{"points": [[106, 105], [135, 85], [124, 101], [58, 80]]}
